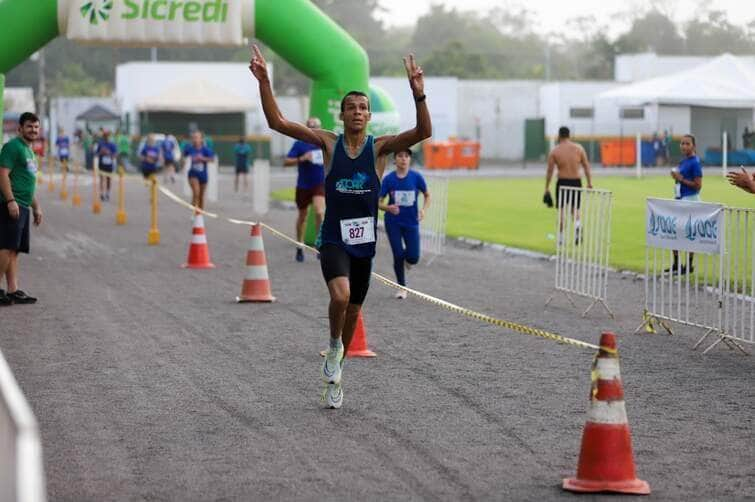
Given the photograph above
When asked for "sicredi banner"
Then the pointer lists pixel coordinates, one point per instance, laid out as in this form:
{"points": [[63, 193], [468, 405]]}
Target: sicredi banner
{"points": [[696, 227], [155, 22]]}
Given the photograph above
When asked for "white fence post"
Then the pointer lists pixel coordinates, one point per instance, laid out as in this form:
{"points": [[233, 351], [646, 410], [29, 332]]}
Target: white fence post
{"points": [[433, 227], [583, 243], [714, 292], [261, 186], [21, 473]]}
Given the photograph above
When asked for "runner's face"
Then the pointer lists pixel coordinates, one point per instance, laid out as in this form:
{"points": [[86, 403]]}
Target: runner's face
{"points": [[356, 113], [686, 146], [196, 139], [29, 131], [402, 161]]}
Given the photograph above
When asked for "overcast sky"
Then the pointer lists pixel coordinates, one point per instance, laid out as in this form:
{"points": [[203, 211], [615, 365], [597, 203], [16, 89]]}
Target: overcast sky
{"points": [[551, 14]]}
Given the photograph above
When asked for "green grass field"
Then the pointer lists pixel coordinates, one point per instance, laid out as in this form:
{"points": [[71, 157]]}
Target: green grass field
{"points": [[510, 211]]}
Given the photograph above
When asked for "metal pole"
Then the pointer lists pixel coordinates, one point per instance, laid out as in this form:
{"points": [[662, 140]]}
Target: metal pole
{"points": [[153, 237], [638, 164], [120, 215], [724, 154]]}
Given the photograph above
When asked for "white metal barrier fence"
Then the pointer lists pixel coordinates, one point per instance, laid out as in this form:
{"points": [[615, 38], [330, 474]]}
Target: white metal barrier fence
{"points": [[583, 244], [709, 283], [21, 474], [433, 227]]}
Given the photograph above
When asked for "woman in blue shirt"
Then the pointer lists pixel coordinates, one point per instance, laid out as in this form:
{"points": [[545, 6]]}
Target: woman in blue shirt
{"points": [[402, 218], [689, 182], [197, 155]]}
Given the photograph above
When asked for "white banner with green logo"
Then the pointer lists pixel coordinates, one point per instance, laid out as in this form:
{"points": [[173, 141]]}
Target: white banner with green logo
{"points": [[154, 22]]}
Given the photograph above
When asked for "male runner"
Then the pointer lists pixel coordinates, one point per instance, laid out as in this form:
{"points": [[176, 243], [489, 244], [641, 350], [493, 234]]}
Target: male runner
{"points": [[567, 157], [310, 183], [63, 144], [168, 147], [355, 163], [107, 152], [243, 152], [149, 156], [18, 181]]}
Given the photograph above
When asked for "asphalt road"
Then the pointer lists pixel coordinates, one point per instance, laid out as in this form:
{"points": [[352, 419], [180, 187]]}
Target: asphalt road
{"points": [[150, 383]]}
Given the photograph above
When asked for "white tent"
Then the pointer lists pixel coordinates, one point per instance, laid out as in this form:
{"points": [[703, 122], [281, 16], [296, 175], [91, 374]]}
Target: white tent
{"points": [[196, 96], [724, 82]]}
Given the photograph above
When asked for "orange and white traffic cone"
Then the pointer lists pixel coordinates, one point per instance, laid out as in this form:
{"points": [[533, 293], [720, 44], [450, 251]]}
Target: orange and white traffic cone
{"points": [[199, 253], [256, 285], [358, 345], [606, 463]]}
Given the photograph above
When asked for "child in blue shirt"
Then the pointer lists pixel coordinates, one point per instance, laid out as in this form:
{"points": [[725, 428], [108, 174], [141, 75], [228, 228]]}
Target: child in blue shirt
{"points": [[402, 217]]}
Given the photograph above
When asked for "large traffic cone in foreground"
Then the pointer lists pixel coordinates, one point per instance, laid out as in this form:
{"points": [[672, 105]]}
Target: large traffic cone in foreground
{"points": [[358, 345], [199, 253], [256, 285], [606, 463]]}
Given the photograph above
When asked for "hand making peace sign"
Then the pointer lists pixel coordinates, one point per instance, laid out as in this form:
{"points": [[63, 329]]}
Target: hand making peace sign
{"points": [[415, 75]]}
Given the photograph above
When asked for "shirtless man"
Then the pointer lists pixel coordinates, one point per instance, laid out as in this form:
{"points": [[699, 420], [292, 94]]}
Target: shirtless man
{"points": [[355, 162], [567, 157]]}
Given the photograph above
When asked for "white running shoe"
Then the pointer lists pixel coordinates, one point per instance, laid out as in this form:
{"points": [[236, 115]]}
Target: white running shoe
{"points": [[331, 366], [401, 294], [334, 396]]}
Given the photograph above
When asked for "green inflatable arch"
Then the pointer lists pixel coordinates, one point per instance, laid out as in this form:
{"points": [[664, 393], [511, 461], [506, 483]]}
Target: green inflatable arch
{"points": [[295, 29]]}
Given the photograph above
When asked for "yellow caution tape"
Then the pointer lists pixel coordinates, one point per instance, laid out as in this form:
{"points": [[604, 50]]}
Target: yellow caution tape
{"points": [[519, 328]]}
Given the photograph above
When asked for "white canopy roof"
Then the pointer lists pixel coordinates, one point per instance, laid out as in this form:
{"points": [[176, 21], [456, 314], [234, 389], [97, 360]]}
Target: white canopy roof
{"points": [[724, 82], [196, 96]]}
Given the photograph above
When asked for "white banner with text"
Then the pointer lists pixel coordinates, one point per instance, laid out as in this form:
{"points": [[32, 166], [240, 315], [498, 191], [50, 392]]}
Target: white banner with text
{"points": [[155, 22], [696, 227]]}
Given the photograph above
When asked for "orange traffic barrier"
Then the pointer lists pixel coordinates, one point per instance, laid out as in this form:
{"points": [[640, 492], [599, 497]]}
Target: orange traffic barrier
{"points": [[199, 252], [256, 285], [618, 152], [358, 345], [606, 463], [467, 154], [438, 154]]}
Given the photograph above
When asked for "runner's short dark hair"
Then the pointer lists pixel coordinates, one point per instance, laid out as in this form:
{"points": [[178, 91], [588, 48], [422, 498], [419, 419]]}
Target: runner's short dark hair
{"points": [[405, 150], [692, 137], [354, 93], [27, 117], [563, 132]]}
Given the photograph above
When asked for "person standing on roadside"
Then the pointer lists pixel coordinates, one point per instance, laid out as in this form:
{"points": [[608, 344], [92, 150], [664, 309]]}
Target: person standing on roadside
{"points": [[18, 181]]}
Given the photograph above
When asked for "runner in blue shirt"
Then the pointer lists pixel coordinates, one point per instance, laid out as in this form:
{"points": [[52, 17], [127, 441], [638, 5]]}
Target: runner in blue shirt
{"points": [[106, 152], [243, 152], [355, 162], [402, 187], [168, 147], [689, 182], [197, 156], [150, 154], [310, 183], [63, 144]]}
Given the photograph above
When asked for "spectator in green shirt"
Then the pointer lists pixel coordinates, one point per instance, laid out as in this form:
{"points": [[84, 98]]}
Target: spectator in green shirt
{"points": [[124, 149], [18, 180]]}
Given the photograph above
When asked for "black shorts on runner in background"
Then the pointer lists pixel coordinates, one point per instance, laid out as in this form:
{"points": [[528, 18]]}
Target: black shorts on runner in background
{"points": [[336, 262], [14, 233], [577, 197]]}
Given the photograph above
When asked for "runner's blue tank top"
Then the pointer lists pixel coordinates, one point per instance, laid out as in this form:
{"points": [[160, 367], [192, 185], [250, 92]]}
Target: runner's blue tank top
{"points": [[352, 190]]}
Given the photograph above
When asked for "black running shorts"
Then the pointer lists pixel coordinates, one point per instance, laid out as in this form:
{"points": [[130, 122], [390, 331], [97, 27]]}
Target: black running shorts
{"points": [[14, 233], [336, 262], [575, 195]]}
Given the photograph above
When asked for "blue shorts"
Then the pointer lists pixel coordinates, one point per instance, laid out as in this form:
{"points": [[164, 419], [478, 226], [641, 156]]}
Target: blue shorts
{"points": [[201, 176], [14, 234]]}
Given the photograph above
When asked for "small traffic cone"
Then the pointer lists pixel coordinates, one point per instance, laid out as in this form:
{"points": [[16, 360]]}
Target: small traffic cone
{"points": [[358, 345], [256, 285], [606, 463], [199, 253]]}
